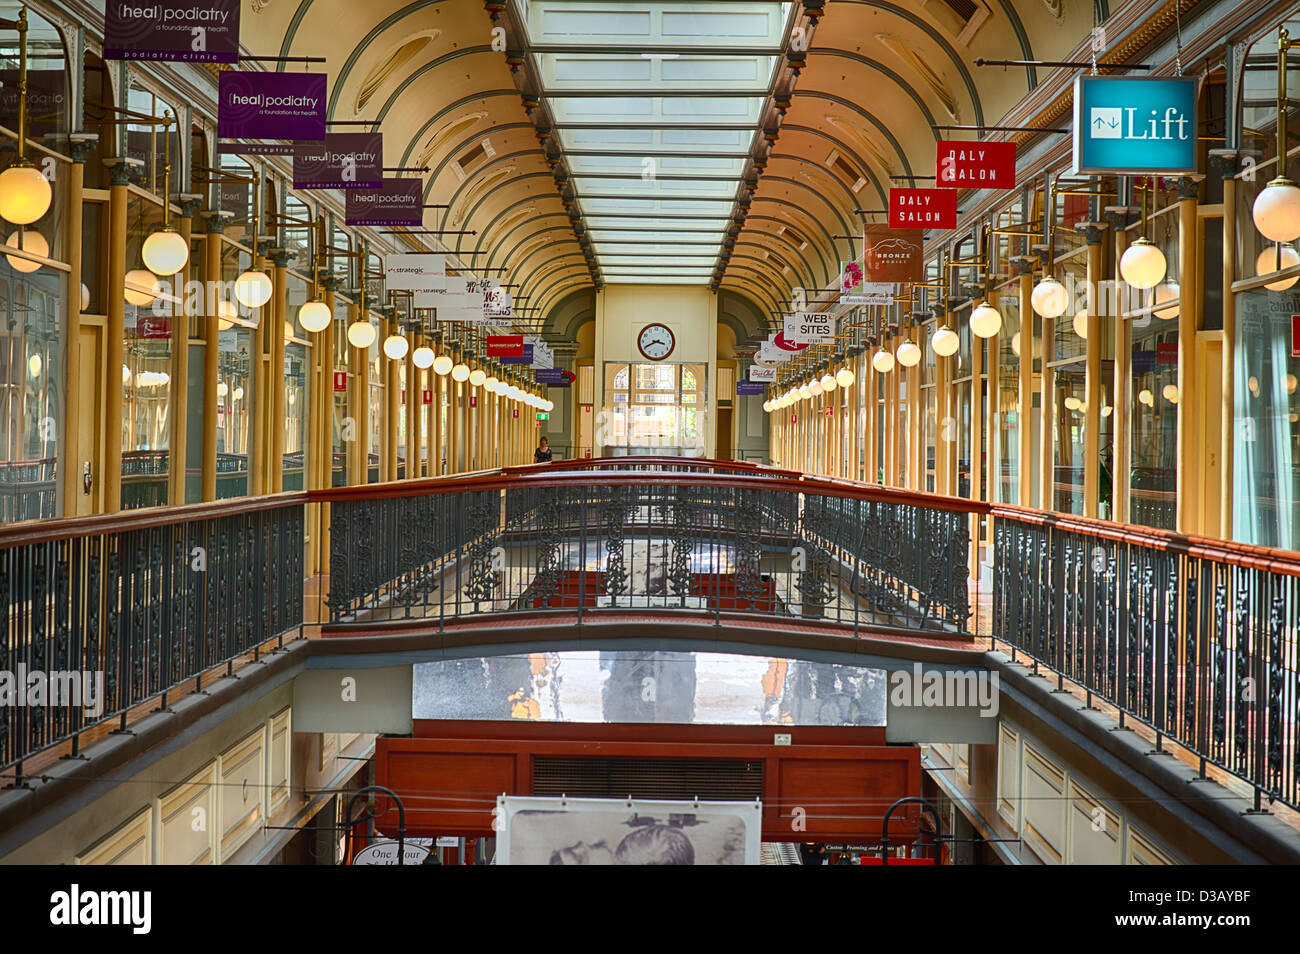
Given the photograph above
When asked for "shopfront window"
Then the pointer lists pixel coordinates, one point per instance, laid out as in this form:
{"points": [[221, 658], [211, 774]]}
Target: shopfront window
{"points": [[654, 408], [1006, 419]]}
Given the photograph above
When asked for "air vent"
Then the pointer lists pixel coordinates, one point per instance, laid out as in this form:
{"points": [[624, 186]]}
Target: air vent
{"points": [[963, 8], [473, 157], [717, 779]]}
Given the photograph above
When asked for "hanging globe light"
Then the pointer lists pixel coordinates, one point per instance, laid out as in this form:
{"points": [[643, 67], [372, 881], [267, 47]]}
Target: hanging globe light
{"points": [[361, 334], [396, 346], [165, 252], [141, 287], [423, 357], [222, 388], [25, 193], [1072, 403], [985, 320], [85, 296], [34, 365], [828, 382], [460, 372], [1266, 264], [512, 392], [1170, 393], [315, 316], [490, 384], [1142, 265], [442, 364], [226, 314], [908, 354], [477, 377], [815, 387], [32, 241], [1080, 328], [882, 361], [845, 377], [1049, 298], [1276, 211], [767, 407], [253, 289], [804, 393], [945, 342], [1167, 292], [1145, 397]]}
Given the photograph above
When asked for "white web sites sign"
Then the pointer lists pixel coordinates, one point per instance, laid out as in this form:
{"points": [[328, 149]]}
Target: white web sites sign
{"points": [[814, 326]]}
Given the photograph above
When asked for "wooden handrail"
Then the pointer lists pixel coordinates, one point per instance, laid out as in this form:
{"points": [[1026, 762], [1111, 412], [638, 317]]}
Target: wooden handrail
{"points": [[744, 476]]}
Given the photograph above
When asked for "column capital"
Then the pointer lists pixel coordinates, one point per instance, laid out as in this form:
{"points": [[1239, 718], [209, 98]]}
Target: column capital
{"points": [[1225, 161], [189, 203], [1189, 188], [279, 257], [215, 220], [81, 145], [1092, 232], [120, 167], [1120, 216]]}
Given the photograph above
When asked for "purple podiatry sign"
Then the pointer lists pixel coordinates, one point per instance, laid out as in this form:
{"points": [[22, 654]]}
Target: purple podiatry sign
{"points": [[526, 358], [342, 161], [200, 31], [270, 106], [399, 202], [551, 376]]}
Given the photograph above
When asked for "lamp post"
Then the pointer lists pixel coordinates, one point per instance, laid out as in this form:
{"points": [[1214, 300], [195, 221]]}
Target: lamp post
{"points": [[25, 193]]}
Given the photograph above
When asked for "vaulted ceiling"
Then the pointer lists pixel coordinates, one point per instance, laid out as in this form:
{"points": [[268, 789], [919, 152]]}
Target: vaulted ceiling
{"points": [[728, 143]]}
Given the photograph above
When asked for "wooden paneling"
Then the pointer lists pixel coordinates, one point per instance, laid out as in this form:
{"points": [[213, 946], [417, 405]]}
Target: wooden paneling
{"points": [[1142, 851], [279, 756], [1009, 776], [187, 820], [131, 844], [1044, 806], [1095, 831], [241, 798], [450, 775]]}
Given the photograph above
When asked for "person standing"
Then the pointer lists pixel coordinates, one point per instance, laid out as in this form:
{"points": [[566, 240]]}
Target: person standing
{"points": [[542, 455]]}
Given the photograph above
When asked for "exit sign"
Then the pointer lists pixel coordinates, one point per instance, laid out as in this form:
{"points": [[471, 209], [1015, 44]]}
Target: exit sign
{"points": [[543, 416]]}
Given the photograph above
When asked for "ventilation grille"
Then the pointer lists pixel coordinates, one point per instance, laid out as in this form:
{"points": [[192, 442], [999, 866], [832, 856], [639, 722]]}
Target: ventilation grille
{"points": [[963, 8], [717, 779]]}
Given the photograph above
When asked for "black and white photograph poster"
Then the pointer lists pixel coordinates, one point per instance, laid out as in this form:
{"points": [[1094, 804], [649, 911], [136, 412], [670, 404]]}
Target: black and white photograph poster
{"points": [[619, 831]]}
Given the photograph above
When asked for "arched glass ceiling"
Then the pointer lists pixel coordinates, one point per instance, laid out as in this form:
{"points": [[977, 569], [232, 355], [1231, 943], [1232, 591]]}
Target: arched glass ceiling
{"points": [[656, 108]]}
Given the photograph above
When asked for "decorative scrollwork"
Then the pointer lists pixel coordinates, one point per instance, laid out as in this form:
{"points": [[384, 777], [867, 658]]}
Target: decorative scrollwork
{"points": [[482, 514]]}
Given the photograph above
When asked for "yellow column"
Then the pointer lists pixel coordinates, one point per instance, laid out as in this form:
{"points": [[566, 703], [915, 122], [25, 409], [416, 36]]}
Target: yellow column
{"points": [[392, 406], [1227, 409], [1025, 391], [1092, 381], [211, 348], [915, 453], [1123, 389], [180, 368], [454, 428], [275, 380], [1046, 418], [114, 340], [944, 433], [259, 409], [435, 425], [413, 450], [1189, 454], [75, 501], [976, 445]]}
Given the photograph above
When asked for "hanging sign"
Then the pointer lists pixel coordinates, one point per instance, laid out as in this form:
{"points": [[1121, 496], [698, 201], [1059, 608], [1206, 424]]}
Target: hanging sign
{"points": [[750, 388], [498, 303], [505, 346], [262, 105], [152, 326], [976, 165], [761, 374], [783, 342], [416, 273], [892, 255], [198, 31], [770, 353], [810, 326], [1134, 124], [923, 208], [455, 301], [525, 358], [228, 341], [342, 161], [1167, 352], [552, 377], [396, 202], [385, 853], [340, 381]]}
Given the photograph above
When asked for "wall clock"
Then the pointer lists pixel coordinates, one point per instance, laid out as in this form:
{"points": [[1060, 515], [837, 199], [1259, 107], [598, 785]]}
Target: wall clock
{"points": [[656, 341]]}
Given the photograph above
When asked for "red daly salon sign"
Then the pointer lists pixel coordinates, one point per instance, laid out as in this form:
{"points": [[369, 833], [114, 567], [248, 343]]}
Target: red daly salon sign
{"points": [[976, 165], [922, 208]]}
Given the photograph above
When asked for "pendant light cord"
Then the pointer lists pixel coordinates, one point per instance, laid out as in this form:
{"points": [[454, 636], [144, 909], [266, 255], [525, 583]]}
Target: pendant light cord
{"points": [[1178, 38]]}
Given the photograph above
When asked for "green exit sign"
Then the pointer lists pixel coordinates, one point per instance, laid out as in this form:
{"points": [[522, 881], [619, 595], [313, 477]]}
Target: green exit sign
{"points": [[543, 415]]}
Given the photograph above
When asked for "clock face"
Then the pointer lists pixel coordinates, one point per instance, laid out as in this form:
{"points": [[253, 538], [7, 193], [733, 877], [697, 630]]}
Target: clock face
{"points": [[655, 342]]}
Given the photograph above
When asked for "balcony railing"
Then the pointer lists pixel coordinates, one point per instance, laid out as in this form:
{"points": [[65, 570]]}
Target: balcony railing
{"points": [[1197, 639]]}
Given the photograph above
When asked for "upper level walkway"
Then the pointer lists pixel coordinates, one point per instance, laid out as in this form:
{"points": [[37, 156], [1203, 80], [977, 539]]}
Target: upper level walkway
{"points": [[1192, 641]]}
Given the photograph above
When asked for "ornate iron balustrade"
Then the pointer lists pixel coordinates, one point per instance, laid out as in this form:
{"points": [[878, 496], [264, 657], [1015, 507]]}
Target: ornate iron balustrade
{"points": [[718, 538], [1198, 639], [131, 606]]}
